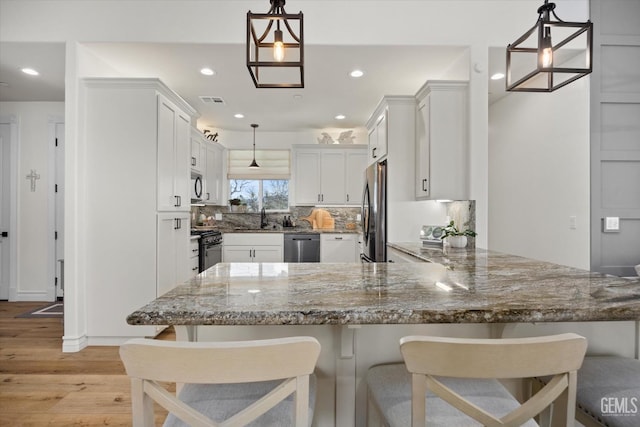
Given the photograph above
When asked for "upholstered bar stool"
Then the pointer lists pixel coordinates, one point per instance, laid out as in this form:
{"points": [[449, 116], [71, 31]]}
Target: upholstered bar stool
{"points": [[453, 382], [608, 392], [263, 382]]}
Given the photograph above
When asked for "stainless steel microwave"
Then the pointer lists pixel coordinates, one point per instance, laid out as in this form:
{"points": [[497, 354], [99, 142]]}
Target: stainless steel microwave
{"points": [[196, 188]]}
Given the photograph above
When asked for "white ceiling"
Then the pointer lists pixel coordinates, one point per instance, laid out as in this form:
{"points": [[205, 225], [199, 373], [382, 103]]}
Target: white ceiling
{"points": [[329, 90]]}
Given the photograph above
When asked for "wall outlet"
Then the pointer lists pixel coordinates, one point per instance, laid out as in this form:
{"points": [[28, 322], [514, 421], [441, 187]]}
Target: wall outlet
{"points": [[611, 223], [218, 217], [572, 222], [358, 217]]}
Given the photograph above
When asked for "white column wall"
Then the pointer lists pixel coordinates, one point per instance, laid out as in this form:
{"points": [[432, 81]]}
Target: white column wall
{"points": [[539, 175]]}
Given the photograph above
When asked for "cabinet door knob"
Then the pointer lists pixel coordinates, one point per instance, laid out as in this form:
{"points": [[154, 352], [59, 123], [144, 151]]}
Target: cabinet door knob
{"points": [[424, 185], [373, 152]]}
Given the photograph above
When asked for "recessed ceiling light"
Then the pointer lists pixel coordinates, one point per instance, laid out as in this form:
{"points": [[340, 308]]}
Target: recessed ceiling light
{"points": [[30, 71], [357, 73], [239, 116], [340, 117], [497, 76], [207, 72]]}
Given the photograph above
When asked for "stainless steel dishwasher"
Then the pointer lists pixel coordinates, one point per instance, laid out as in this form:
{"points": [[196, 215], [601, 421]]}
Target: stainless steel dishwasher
{"points": [[302, 247]]}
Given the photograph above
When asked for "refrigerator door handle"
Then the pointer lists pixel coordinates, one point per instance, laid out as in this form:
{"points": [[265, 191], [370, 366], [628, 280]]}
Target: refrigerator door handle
{"points": [[365, 212]]}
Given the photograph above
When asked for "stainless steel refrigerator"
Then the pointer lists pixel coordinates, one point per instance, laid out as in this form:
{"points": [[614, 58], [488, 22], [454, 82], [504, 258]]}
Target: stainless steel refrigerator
{"points": [[374, 214]]}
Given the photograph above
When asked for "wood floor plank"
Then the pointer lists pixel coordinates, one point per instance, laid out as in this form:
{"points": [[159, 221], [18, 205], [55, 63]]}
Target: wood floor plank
{"points": [[66, 383], [91, 402], [40, 385]]}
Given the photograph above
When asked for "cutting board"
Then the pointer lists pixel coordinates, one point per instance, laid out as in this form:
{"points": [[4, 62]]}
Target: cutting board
{"points": [[320, 219]]}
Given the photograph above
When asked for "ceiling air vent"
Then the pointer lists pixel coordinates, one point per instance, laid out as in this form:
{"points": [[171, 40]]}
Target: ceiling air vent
{"points": [[211, 100]]}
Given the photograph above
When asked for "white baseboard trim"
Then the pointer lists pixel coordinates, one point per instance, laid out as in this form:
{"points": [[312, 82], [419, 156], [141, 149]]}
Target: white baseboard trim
{"points": [[110, 341], [73, 344]]}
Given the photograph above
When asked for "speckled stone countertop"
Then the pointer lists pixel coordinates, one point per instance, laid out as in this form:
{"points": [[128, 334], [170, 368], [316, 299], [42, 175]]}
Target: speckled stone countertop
{"points": [[467, 287]]}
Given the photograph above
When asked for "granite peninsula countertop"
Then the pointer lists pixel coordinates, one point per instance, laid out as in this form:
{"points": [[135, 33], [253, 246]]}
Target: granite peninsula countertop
{"points": [[468, 286]]}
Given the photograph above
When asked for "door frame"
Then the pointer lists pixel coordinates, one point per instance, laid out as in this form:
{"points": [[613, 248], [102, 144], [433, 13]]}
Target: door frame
{"points": [[12, 121], [52, 262]]}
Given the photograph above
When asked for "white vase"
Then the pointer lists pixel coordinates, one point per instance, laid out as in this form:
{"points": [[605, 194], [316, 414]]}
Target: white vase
{"points": [[457, 241]]}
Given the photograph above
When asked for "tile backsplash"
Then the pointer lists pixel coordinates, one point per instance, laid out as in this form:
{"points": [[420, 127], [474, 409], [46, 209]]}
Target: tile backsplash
{"points": [[231, 220]]}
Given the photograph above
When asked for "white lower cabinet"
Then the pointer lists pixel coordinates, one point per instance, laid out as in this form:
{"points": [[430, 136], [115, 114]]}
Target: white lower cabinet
{"points": [[253, 247], [173, 256], [338, 247], [194, 257]]}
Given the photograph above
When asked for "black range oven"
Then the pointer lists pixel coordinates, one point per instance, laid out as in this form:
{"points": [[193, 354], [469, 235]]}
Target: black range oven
{"points": [[210, 246]]}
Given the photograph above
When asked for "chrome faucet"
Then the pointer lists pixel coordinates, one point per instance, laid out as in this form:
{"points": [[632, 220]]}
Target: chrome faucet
{"points": [[263, 218]]}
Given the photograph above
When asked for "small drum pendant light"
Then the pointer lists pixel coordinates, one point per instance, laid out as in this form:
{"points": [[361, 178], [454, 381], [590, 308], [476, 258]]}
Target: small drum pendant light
{"points": [[254, 164], [546, 62], [275, 56]]}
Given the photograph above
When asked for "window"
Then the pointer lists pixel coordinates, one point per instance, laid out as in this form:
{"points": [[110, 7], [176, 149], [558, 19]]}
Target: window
{"points": [[267, 186], [272, 194]]}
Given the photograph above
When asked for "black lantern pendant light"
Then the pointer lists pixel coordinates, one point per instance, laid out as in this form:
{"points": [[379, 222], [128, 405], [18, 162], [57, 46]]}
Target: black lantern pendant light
{"points": [[572, 44], [254, 164], [275, 59]]}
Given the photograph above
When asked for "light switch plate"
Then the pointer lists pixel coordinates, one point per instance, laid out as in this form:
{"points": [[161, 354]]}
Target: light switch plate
{"points": [[611, 224]]}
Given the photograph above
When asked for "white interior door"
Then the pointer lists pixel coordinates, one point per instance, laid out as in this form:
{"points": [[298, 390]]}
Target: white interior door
{"points": [[5, 140], [59, 209]]}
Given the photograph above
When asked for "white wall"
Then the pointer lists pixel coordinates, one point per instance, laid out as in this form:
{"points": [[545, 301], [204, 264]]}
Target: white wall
{"points": [[35, 121], [539, 175]]}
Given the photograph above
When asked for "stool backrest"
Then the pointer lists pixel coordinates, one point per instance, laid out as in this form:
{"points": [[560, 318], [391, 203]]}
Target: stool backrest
{"points": [[557, 355], [148, 362]]}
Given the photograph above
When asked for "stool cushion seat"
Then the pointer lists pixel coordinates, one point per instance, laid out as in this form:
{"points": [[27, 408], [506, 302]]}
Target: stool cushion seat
{"points": [[617, 381], [221, 401], [390, 386]]}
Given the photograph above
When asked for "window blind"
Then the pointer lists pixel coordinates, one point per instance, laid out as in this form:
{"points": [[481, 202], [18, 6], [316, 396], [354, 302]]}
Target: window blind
{"points": [[274, 164]]}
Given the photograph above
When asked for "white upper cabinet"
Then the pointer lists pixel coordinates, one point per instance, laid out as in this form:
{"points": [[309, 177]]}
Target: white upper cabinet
{"points": [[442, 141], [356, 163], [174, 148], [214, 159], [332, 177], [328, 175], [197, 155], [207, 160], [378, 135], [307, 176]]}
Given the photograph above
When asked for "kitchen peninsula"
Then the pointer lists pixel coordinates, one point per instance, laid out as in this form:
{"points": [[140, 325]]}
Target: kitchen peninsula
{"points": [[358, 311]]}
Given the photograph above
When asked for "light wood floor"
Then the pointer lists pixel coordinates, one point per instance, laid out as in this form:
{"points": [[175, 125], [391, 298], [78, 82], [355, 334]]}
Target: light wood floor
{"points": [[40, 385]]}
